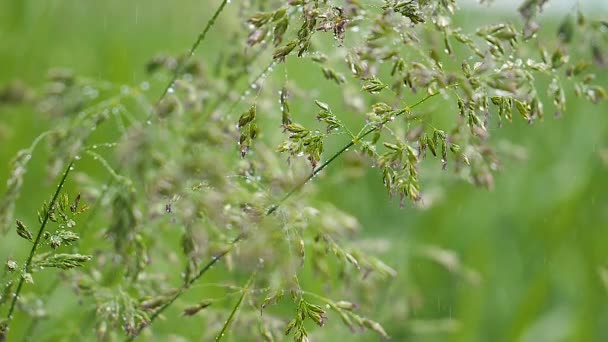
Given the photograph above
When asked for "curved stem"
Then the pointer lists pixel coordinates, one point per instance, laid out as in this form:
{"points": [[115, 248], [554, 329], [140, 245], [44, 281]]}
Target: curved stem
{"points": [[235, 308], [26, 267], [296, 188], [197, 42], [188, 284], [244, 72], [351, 143]]}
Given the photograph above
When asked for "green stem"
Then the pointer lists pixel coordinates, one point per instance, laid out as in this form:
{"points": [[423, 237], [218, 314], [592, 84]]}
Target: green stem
{"points": [[295, 189], [197, 42], [26, 268], [235, 309], [243, 72], [300, 185], [188, 284]]}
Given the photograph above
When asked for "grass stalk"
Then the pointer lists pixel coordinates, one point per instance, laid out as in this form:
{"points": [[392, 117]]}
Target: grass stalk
{"points": [[200, 38], [26, 267], [345, 148], [235, 309]]}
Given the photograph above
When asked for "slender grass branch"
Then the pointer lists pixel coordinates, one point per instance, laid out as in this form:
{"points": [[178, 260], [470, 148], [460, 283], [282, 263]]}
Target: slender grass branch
{"points": [[195, 45], [188, 284], [243, 72], [235, 309], [26, 267], [345, 148]]}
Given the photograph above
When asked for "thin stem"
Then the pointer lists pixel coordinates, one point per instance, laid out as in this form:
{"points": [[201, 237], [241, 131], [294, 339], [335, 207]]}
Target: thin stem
{"points": [[26, 268], [188, 284], [259, 77], [197, 42], [244, 72], [235, 309], [296, 188], [311, 176]]}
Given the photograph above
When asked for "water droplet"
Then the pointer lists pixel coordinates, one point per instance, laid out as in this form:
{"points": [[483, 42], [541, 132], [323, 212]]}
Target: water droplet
{"points": [[77, 158]]}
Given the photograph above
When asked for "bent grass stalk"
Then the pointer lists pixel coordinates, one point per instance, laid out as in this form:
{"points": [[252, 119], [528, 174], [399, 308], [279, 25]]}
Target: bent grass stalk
{"points": [[26, 267], [235, 309], [188, 284], [197, 42], [351, 143]]}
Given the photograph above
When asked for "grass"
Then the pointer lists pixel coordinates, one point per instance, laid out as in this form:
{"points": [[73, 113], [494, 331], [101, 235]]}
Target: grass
{"points": [[537, 240]]}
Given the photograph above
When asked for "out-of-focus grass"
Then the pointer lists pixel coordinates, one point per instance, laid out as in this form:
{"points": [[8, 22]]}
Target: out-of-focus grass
{"points": [[537, 240]]}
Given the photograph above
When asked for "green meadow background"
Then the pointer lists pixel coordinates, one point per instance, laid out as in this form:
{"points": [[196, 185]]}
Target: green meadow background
{"points": [[538, 240]]}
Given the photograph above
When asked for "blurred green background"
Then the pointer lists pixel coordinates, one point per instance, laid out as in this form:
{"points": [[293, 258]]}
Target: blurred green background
{"points": [[538, 240]]}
